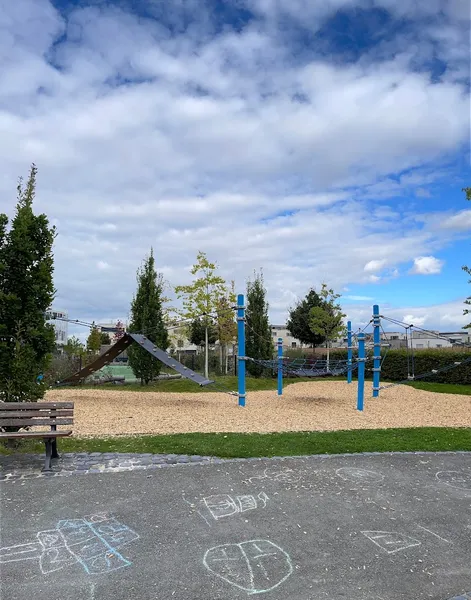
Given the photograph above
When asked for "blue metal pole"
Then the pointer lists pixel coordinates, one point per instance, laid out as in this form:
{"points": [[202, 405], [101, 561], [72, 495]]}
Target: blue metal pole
{"points": [[361, 371], [376, 351], [241, 348], [349, 351], [280, 366]]}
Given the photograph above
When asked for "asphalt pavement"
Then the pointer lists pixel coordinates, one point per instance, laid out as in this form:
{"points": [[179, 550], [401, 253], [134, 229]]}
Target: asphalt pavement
{"points": [[359, 527]]}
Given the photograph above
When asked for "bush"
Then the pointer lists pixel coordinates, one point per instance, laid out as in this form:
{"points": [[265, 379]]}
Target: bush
{"points": [[394, 367]]}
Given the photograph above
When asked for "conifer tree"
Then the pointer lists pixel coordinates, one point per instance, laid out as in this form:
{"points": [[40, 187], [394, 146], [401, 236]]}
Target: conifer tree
{"points": [[259, 344], [27, 341], [147, 318]]}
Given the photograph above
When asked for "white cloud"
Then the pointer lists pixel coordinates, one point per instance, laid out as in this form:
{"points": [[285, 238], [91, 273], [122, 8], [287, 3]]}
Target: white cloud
{"points": [[418, 321], [358, 298], [144, 137], [374, 265], [427, 265], [460, 221]]}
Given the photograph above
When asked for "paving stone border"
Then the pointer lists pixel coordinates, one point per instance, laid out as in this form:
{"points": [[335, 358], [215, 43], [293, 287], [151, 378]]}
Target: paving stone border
{"points": [[15, 467]]}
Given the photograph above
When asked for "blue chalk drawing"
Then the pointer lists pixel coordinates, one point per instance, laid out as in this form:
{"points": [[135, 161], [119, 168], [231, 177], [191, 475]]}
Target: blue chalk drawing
{"points": [[92, 541]]}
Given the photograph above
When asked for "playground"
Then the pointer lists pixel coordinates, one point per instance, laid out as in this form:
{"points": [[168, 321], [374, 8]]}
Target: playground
{"points": [[305, 406]]}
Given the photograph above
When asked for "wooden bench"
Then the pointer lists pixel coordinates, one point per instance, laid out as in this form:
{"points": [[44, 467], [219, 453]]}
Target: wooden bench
{"points": [[35, 414]]}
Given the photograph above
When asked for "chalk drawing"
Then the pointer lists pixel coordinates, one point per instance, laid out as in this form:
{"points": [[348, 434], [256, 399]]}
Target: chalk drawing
{"points": [[465, 596], [91, 541], [435, 534], [390, 541], [224, 505], [359, 475], [456, 479], [255, 566], [283, 475]]}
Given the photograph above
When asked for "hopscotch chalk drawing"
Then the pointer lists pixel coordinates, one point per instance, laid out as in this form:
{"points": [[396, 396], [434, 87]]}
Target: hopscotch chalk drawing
{"points": [[359, 475], [91, 541], [255, 566], [223, 505], [456, 479], [390, 541]]}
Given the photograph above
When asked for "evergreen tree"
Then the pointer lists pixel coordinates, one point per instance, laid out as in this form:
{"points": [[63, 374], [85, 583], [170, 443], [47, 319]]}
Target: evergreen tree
{"points": [[299, 316], [258, 343], [105, 339], [94, 340], [197, 332], [147, 318], [27, 341]]}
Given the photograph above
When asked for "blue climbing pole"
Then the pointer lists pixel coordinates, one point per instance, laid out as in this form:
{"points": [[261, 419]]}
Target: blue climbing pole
{"points": [[361, 371], [376, 351], [280, 366], [241, 348], [349, 351]]}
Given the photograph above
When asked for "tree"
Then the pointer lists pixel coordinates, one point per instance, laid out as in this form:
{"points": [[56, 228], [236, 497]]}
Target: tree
{"points": [[298, 322], [197, 332], [258, 343], [74, 347], [105, 339], [467, 270], [327, 320], [200, 298], [94, 339], [27, 341], [147, 318], [226, 325]]}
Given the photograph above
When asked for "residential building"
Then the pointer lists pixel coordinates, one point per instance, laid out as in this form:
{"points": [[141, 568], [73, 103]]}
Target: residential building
{"points": [[280, 331], [58, 319]]}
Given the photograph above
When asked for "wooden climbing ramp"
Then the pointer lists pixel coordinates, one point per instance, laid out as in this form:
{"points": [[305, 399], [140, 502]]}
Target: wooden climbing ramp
{"points": [[120, 346]]}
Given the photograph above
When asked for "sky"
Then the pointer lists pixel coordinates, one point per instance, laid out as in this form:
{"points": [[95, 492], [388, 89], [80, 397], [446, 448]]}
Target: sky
{"points": [[318, 141]]}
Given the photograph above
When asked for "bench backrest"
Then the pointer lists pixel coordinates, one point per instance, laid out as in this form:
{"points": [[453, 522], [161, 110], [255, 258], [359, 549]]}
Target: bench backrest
{"points": [[23, 414]]}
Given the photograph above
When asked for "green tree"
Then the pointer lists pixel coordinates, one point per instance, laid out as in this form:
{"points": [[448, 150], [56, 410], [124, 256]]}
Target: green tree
{"points": [[226, 325], [27, 341], [298, 321], [258, 343], [467, 269], [200, 298], [74, 347], [105, 339], [327, 320], [147, 318], [94, 339], [197, 332]]}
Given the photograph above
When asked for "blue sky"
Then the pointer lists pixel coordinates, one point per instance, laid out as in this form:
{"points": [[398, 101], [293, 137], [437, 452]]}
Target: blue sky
{"points": [[318, 141]]}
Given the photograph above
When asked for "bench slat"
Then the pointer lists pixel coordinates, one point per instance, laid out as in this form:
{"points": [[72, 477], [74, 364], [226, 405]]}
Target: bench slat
{"points": [[31, 422], [10, 414], [35, 434], [34, 405]]}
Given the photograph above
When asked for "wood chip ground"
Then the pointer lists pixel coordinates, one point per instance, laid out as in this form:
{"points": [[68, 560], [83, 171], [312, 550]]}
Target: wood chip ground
{"points": [[312, 406]]}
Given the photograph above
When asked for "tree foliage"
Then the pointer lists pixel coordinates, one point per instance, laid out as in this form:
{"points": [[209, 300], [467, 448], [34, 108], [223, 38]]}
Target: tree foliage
{"points": [[27, 291], [74, 347], [200, 298], [147, 318], [197, 332], [105, 339], [327, 320], [298, 321], [258, 343], [467, 269], [94, 339]]}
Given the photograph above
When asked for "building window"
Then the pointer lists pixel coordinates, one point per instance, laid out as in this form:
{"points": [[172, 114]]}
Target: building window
{"points": [[419, 346], [293, 344]]}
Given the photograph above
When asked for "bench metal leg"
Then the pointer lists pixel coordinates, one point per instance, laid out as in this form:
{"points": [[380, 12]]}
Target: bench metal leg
{"points": [[54, 449], [47, 463]]}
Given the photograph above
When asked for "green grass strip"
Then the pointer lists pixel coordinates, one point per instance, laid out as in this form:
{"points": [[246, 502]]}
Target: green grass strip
{"points": [[244, 445]]}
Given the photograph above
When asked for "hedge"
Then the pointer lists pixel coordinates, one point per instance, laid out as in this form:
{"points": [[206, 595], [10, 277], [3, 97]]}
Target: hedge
{"points": [[394, 367]]}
